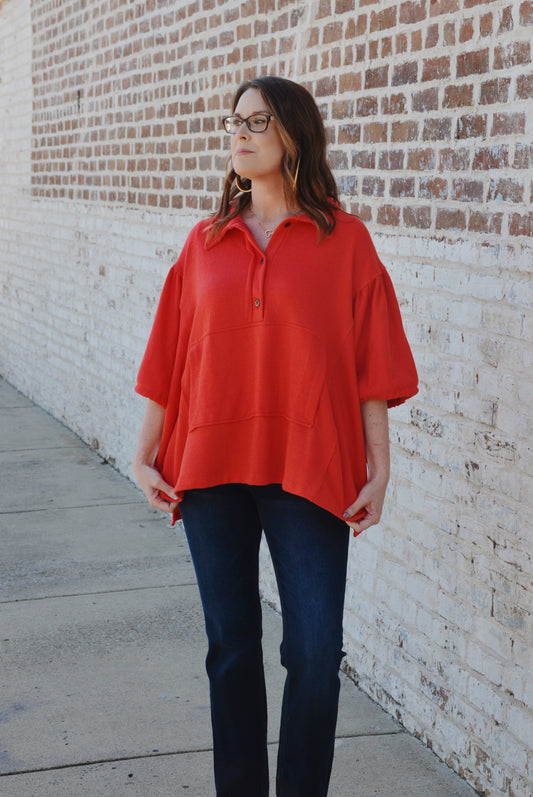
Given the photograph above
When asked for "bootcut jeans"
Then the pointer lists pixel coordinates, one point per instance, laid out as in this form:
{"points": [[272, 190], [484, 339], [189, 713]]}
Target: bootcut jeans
{"points": [[309, 550]]}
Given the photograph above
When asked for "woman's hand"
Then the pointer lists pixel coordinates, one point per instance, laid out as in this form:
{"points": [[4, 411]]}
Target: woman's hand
{"points": [[374, 415], [150, 480], [151, 483], [371, 500]]}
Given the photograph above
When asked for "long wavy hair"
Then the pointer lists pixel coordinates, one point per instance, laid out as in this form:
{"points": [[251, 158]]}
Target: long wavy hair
{"points": [[308, 181]]}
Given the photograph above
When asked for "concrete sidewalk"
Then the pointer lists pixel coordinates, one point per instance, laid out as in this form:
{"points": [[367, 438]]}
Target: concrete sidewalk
{"points": [[103, 692]]}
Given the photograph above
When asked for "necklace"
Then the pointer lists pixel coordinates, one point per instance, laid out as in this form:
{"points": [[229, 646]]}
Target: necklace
{"points": [[268, 232]]}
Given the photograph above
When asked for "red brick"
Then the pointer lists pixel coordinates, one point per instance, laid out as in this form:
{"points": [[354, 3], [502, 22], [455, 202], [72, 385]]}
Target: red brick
{"points": [[467, 190], [413, 11], [436, 68], [376, 78], [512, 54], [349, 134], [506, 190], [268, 47], [350, 81], [421, 159], [524, 86], [332, 32], [523, 156], [427, 100], [438, 7], [449, 34], [416, 41], [466, 31], [285, 45], [363, 212], [393, 103], [342, 109], [480, 221], [326, 87], [471, 126], [324, 9], [504, 124], [401, 43], [389, 215], [433, 188], [391, 159], [526, 13], [432, 36], [486, 158], [493, 91], [485, 25], [373, 186], [361, 25], [448, 219], [521, 224], [348, 56], [383, 19], [366, 159], [338, 160], [419, 217], [386, 47], [506, 20], [405, 73], [280, 23], [367, 106], [313, 38], [404, 131], [347, 185], [438, 129], [375, 132], [473, 63], [402, 186], [458, 96], [343, 6]]}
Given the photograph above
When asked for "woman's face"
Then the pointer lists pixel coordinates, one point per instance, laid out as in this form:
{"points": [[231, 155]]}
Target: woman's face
{"points": [[256, 155]]}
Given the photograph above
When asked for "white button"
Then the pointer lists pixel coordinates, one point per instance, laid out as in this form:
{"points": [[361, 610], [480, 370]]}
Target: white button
{"points": [[257, 302]]}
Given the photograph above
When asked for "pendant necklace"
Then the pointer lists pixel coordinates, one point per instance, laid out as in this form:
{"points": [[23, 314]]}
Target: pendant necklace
{"points": [[267, 232]]}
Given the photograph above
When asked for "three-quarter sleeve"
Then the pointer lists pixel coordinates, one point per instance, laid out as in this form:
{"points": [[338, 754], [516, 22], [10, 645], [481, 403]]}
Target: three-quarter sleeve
{"points": [[155, 372], [385, 366]]}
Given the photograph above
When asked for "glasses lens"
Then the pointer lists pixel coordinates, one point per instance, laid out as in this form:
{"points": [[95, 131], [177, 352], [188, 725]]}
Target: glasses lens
{"points": [[258, 123], [232, 123]]}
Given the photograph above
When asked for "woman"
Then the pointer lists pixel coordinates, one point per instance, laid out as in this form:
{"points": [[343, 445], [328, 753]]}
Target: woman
{"points": [[276, 349]]}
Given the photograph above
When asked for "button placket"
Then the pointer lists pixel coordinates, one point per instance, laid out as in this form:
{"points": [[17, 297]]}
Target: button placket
{"points": [[258, 284]]}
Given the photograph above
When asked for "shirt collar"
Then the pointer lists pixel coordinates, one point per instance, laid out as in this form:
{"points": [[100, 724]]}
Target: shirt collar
{"points": [[237, 223]]}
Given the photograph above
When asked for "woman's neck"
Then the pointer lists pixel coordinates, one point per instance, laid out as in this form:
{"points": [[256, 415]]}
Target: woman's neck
{"points": [[269, 202]]}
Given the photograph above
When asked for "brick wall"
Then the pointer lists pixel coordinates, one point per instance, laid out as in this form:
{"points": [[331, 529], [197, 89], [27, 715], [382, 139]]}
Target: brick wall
{"points": [[112, 148]]}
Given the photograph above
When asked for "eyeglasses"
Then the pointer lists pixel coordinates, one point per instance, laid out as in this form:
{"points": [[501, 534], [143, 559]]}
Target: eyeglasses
{"points": [[256, 123]]}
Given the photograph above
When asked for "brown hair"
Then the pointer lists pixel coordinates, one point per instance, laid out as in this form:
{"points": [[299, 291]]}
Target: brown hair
{"points": [[307, 177]]}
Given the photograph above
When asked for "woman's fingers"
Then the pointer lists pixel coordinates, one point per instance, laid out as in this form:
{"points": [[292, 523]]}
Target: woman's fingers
{"points": [[370, 502], [152, 484]]}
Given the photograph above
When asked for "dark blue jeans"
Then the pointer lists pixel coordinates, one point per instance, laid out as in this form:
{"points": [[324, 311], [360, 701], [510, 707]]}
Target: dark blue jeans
{"points": [[309, 549]]}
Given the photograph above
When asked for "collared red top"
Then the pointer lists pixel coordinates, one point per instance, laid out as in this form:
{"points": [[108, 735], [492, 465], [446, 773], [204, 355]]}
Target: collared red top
{"points": [[262, 359]]}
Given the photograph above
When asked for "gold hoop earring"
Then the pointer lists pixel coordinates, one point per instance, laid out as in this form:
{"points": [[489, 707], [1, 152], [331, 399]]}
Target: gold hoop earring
{"points": [[295, 178], [242, 190]]}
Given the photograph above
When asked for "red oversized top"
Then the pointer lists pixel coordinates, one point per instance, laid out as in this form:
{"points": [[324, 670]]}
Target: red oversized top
{"points": [[261, 360]]}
